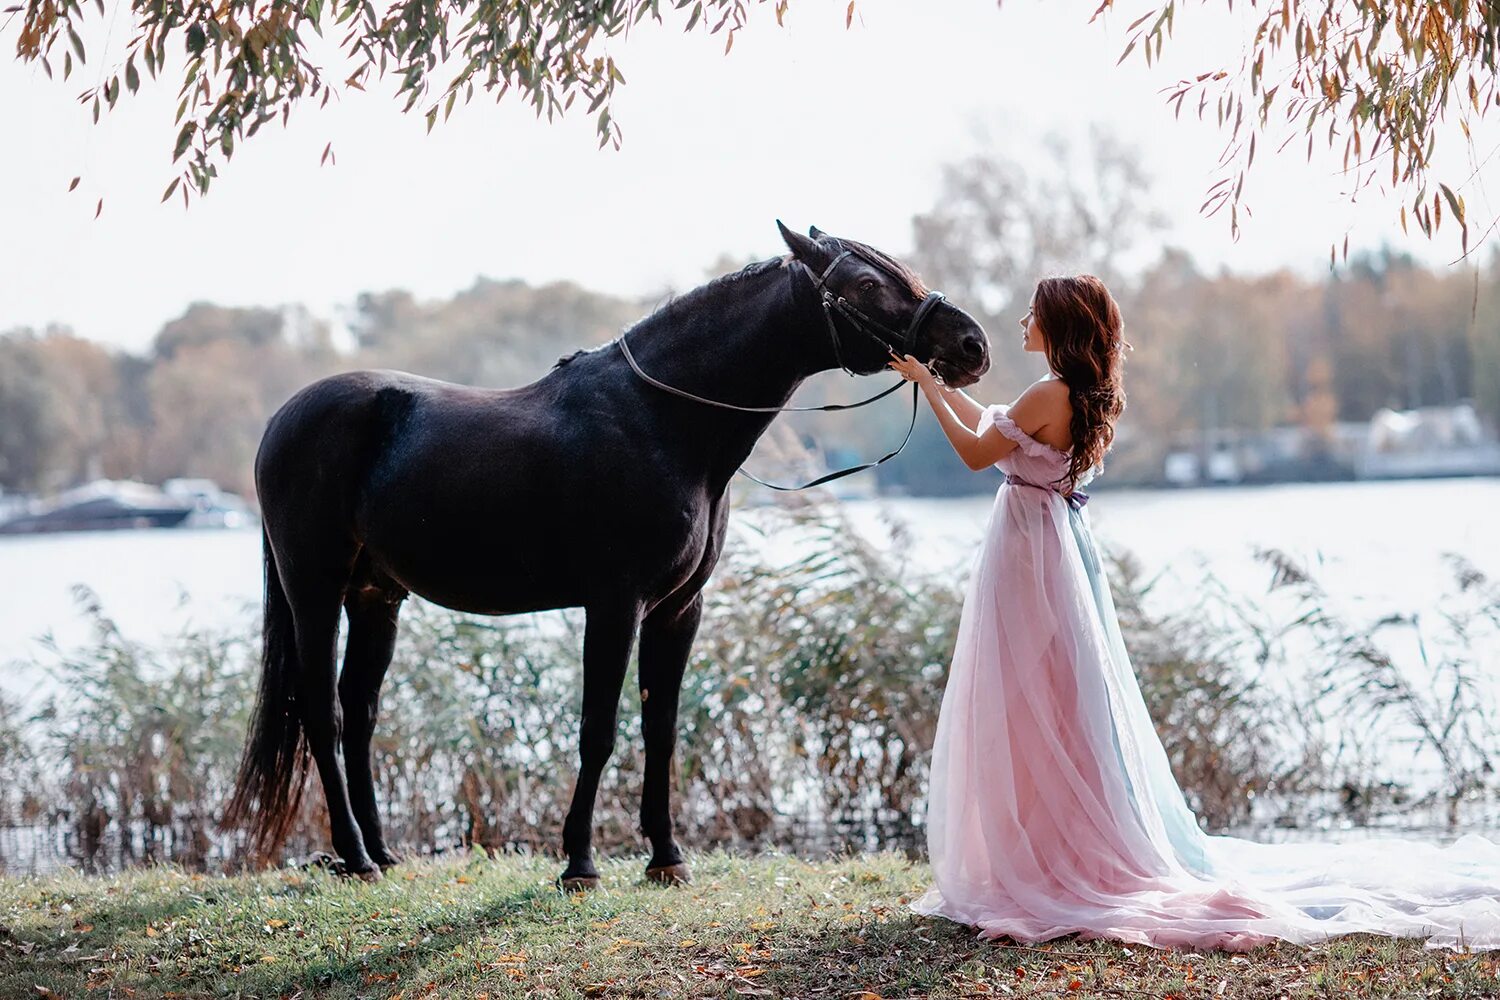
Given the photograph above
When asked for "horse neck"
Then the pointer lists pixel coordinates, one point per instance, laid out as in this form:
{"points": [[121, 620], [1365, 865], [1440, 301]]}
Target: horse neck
{"points": [[751, 343]]}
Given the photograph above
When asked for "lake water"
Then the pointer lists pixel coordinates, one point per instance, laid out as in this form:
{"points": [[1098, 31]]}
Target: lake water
{"points": [[1376, 546]]}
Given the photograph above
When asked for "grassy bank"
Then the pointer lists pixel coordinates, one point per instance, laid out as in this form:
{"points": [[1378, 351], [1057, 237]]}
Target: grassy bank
{"points": [[472, 928]]}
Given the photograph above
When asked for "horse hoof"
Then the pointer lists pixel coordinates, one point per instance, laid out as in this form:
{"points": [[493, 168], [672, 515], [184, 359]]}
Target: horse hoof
{"points": [[340, 868], [677, 874], [578, 883], [390, 859], [323, 860]]}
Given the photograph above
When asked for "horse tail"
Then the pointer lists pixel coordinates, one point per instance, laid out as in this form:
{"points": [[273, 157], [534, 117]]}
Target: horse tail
{"points": [[268, 790]]}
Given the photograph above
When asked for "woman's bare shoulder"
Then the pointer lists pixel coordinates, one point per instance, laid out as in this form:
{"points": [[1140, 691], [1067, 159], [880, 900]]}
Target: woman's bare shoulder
{"points": [[1048, 410], [1048, 396]]}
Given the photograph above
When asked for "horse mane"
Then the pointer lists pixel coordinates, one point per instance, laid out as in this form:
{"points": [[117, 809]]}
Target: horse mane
{"points": [[879, 258], [691, 297], [696, 296]]}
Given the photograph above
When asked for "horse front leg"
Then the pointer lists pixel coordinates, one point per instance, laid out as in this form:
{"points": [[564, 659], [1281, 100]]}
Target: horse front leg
{"points": [[666, 641], [608, 636]]}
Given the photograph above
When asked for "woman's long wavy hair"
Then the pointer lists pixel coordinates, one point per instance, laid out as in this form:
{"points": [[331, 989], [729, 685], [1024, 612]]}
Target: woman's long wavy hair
{"points": [[1082, 327]]}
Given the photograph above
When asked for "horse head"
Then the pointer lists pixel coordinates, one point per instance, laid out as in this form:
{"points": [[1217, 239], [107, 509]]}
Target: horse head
{"points": [[876, 304]]}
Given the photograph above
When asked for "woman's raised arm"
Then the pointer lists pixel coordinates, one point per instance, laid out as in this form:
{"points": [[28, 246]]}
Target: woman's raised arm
{"points": [[963, 406]]}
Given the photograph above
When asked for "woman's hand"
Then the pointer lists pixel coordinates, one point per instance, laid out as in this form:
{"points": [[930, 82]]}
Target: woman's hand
{"points": [[912, 370]]}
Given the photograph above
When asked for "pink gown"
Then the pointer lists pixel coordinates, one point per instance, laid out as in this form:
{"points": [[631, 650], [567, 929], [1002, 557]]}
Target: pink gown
{"points": [[1052, 808]]}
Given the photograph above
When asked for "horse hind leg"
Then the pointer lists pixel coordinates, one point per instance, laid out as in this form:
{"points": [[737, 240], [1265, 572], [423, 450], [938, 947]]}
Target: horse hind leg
{"points": [[373, 606], [315, 588]]}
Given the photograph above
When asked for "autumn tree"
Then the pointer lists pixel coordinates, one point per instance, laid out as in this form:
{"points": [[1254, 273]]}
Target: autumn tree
{"points": [[999, 224], [217, 373], [1213, 355], [1484, 345], [62, 419], [494, 333]]}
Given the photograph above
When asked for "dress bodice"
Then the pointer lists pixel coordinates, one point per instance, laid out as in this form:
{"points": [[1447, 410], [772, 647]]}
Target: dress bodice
{"points": [[1033, 461]]}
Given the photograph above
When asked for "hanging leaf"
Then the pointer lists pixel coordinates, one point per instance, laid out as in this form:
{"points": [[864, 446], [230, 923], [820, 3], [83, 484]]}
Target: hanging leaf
{"points": [[184, 139], [1454, 201]]}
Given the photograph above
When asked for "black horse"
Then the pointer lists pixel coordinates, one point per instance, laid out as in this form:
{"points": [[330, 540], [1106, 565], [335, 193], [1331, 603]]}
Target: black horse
{"points": [[588, 488]]}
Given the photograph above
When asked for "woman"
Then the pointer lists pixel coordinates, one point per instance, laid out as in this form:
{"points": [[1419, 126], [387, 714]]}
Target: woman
{"points": [[1052, 808]]}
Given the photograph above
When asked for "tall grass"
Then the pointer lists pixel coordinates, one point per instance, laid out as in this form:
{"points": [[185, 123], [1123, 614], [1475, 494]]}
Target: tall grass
{"points": [[1217, 721], [806, 718], [1390, 680]]}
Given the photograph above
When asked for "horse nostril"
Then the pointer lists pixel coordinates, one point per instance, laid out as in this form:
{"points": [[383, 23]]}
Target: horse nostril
{"points": [[973, 346]]}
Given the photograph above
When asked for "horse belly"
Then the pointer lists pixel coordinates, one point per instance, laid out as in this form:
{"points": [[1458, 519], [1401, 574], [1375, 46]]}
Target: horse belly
{"points": [[470, 555]]}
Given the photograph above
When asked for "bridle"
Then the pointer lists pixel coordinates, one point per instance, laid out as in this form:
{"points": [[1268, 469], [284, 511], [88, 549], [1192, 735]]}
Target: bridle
{"points": [[832, 305], [868, 325]]}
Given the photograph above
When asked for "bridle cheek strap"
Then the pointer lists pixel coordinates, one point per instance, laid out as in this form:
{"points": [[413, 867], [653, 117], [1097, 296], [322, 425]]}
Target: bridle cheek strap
{"points": [[871, 327]]}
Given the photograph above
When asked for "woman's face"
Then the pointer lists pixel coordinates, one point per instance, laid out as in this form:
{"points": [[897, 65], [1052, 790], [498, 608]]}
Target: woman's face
{"points": [[1031, 336]]}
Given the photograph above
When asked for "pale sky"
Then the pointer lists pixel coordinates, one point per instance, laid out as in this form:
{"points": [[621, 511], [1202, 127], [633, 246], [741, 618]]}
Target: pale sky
{"points": [[810, 123]]}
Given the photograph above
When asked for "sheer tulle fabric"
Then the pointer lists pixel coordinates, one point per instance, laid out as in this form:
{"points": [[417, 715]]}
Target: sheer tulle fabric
{"points": [[1052, 808]]}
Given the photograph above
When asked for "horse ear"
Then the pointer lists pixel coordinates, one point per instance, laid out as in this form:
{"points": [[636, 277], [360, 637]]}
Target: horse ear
{"points": [[801, 247], [815, 232]]}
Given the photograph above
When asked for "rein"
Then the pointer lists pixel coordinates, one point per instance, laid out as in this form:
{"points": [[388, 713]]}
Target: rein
{"points": [[832, 304]]}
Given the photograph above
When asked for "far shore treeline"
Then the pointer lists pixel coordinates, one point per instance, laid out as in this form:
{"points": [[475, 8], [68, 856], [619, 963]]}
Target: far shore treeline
{"points": [[1214, 352]]}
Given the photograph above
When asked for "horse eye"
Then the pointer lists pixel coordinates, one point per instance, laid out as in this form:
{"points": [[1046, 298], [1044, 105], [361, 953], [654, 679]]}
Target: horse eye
{"points": [[868, 285]]}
